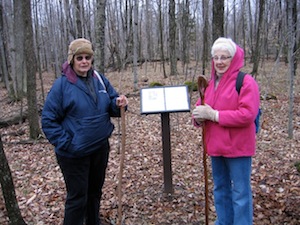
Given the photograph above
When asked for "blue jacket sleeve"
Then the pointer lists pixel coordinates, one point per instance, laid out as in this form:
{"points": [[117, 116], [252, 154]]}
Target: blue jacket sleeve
{"points": [[114, 110], [52, 116]]}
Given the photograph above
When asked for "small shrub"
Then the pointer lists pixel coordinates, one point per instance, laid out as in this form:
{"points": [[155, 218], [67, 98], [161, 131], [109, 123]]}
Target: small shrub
{"points": [[192, 85], [155, 84]]}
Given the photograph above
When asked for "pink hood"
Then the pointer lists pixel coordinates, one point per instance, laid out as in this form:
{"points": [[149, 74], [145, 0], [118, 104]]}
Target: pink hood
{"points": [[234, 135]]}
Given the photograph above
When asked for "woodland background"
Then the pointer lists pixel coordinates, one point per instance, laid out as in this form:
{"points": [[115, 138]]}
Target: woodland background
{"points": [[137, 43]]}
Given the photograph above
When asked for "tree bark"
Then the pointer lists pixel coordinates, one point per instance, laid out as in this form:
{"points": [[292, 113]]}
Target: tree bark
{"points": [[19, 76], [30, 57], [218, 19], [172, 38], [3, 66], [291, 24], [8, 189], [162, 55], [100, 36], [79, 32], [256, 56], [205, 5], [185, 31], [135, 44]]}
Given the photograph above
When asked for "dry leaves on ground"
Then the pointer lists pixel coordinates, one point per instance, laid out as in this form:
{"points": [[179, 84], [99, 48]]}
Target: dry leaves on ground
{"points": [[276, 182]]}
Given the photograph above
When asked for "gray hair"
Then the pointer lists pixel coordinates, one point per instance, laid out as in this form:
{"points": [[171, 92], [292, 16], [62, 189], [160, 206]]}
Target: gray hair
{"points": [[224, 44]]}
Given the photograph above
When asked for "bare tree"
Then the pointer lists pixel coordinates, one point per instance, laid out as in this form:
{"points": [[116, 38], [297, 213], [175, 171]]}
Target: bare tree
{"points": [[33, 116], [8, 190], [185, 31], [291, 24], [19, 77], [109, 26], [243, 27], [149, 22], [218, 19], [172, 38], [100, 34], [205, 6], [38, 48], [78, 19], [4, 66], [256, 55], [112, 32], [135, 43], [161, 31]]}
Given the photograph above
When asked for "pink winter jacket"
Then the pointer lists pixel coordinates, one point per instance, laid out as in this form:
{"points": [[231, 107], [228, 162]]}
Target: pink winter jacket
{"points": [[234, 134]]}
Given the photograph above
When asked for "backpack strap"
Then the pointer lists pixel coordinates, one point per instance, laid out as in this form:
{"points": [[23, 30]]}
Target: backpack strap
{"points": [[239, 81], [100, 79]]}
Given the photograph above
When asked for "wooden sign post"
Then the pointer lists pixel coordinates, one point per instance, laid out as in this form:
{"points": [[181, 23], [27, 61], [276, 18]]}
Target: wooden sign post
{"points": [[165, 100]]}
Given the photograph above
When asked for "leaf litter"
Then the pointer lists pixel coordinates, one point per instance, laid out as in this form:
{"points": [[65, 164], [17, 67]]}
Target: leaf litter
{"points": [[275, 181]]}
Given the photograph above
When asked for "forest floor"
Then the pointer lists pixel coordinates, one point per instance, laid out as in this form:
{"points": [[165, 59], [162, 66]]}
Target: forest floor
{"points": [[40, 188]]}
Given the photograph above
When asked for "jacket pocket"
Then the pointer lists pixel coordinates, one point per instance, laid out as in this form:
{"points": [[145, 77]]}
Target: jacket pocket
{"points": [[219, 141], [89, 132]]}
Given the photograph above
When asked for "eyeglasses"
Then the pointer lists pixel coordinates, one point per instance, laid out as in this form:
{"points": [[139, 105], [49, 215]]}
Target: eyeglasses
{"points": [[80, 58], [222, 58]]}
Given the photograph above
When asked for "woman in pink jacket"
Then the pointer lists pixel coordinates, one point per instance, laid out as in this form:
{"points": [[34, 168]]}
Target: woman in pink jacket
{"points": [[230, 133]]}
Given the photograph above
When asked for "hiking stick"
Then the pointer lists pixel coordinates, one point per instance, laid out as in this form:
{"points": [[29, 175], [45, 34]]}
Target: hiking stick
{"points": [[202, 84], [123, 132]]}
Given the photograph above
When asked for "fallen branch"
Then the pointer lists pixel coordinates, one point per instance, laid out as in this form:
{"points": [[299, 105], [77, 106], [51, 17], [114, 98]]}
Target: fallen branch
{"points": [[13, 119]]}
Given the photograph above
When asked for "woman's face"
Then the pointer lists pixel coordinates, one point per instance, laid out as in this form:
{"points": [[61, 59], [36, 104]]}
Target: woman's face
{"points": [[222, 61], [82, 64]]}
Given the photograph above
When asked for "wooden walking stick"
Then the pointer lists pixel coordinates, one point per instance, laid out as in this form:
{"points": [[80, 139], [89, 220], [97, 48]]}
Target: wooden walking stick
{"points": [[202, 84], [123, 131]]}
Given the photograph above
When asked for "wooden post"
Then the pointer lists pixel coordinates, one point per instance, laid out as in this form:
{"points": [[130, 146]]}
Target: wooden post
{"points": [[122, 157], [167, 162]]}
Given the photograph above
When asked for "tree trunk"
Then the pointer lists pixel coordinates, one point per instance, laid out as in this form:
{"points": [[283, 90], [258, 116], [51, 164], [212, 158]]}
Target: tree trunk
{"points": [[8, 189], [149, 21], [256, 56], [127, 27], [78, 19], [244, 30], [291, 24], [162, 55], [218, 19], [234, 20], [185, 31], [19, 76], [3, 60], [100, 36], [205, 5], [172, 38], [39, 64], [135, 44], [30, 57]]}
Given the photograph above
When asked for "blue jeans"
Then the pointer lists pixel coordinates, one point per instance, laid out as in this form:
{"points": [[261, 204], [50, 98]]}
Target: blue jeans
{"points": [[232, 190], [84, 178]]}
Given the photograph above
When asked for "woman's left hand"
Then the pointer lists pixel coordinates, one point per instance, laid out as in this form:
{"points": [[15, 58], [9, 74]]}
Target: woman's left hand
{"points": [[205, 112], [122, 101]]}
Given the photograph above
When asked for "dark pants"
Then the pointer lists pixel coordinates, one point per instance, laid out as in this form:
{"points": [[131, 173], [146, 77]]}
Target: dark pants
{"points": [[84, 179]]}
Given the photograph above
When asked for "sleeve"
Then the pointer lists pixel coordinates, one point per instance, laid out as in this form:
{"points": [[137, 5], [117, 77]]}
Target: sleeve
{"points": [[114, 110], [248, 106], [52, 117]]}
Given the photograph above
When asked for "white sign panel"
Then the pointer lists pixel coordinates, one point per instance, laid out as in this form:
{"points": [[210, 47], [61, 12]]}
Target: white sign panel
{"points": [[165, 99]]}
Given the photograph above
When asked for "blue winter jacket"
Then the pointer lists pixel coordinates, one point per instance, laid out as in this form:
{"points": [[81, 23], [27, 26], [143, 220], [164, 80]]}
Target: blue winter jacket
{"points": [[75, 122]]}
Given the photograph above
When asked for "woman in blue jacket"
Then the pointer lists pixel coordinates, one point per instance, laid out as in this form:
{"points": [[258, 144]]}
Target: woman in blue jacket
{"points": [[76, 120]]}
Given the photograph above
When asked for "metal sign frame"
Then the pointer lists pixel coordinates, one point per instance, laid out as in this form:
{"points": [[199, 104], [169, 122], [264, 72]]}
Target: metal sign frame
{"points": [[165, 100]]}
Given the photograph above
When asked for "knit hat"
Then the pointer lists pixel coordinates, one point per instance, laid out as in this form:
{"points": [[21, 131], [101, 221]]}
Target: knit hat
{"points": [[79, 46], [224, 44]]}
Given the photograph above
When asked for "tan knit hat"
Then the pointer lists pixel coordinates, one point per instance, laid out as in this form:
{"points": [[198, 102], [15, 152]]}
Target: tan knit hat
{"points": [[79, 46], [224, 44]]}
